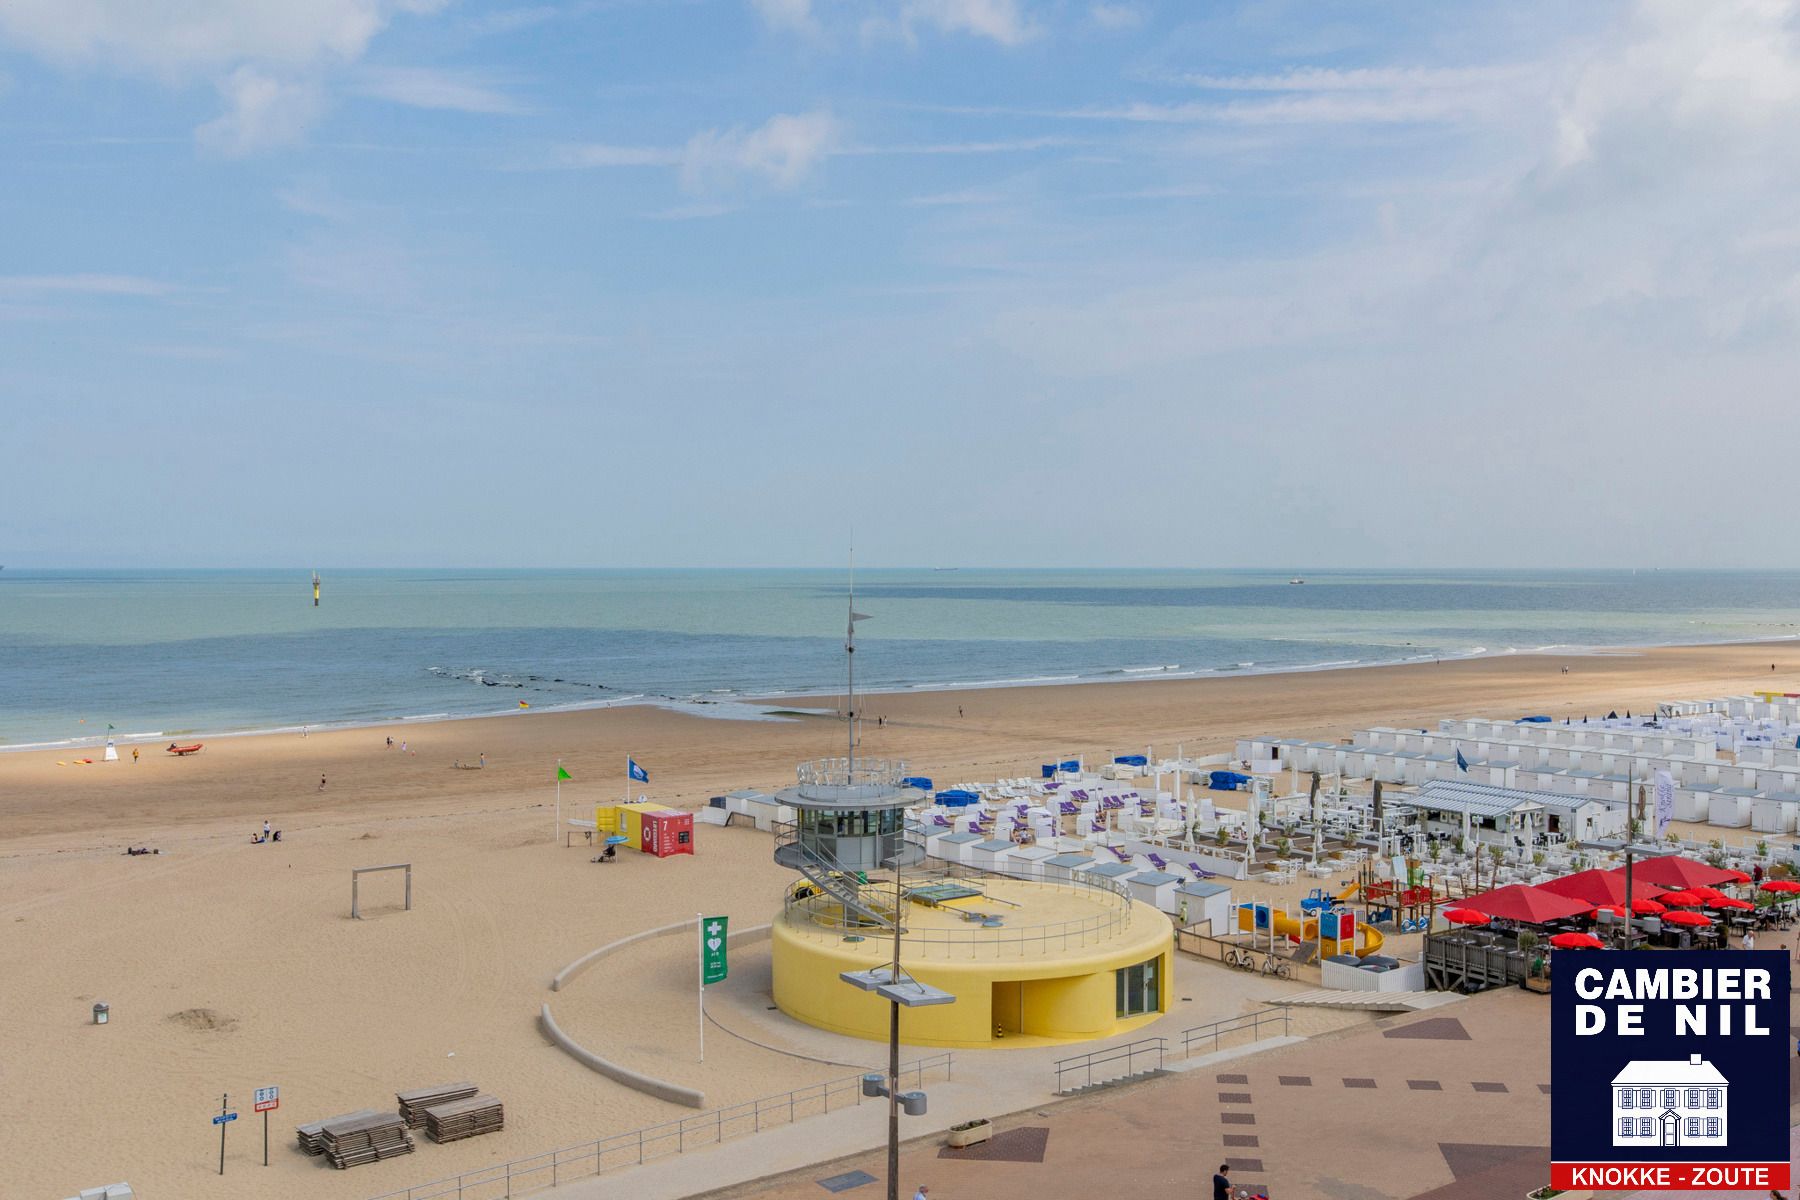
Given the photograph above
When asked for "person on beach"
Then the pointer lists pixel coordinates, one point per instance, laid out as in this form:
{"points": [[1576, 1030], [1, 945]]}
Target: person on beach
{"points": [[484, 759], [265, 829], [321, 783], [390, 743], [959, 712], [403, 745], [134, 755]]}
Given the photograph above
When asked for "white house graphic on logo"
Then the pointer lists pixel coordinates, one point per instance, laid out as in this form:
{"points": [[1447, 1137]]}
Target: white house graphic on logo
{"points": [[1669, 1103]]}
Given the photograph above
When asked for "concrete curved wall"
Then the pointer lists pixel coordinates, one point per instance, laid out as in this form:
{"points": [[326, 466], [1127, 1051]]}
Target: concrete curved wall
{"points": [[662, 1089], [568, 973], [1055, 995]]}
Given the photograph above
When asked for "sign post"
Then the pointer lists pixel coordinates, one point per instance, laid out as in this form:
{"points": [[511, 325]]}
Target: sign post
{"points": [[712, 963], [266, 1099], [225, 1117]]}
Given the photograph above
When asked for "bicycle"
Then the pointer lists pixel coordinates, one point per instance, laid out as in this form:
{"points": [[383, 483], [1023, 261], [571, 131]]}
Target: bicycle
{"points": [[1274, 966], [1241, 958]]}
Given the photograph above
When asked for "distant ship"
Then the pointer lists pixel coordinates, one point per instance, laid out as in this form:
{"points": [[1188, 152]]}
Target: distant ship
{"points": [[1296, 579]]}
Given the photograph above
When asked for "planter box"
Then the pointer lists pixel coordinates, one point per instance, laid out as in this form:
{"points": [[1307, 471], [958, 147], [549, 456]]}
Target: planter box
{"points": [[977, 1132], [1534, 984]]}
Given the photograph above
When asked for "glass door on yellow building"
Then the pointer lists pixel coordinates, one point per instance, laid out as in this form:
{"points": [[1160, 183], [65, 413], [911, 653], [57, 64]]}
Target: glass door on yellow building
{"points": [[1137, 989]]}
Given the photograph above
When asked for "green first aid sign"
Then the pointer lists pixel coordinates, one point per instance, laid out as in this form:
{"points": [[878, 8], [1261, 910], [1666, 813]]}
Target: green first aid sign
{"points": [[712, 949]]}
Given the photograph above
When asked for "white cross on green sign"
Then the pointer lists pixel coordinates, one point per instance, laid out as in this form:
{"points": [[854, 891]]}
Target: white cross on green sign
{"points": [[712, 950]]}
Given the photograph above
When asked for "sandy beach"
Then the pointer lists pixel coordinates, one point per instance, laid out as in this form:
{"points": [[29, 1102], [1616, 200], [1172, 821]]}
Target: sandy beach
{"points": [[231, 966]]}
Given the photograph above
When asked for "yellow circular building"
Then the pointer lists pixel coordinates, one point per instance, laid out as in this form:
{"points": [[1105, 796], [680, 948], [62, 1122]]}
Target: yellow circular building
{"points": [[1026, 961]]}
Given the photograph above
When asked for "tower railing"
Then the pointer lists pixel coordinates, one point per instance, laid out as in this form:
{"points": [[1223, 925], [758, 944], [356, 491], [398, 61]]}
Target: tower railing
{"points": [[851, 781]]}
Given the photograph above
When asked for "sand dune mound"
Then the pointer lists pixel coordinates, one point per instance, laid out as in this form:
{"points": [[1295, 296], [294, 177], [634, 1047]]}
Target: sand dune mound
{"points": [[203, 1020]]}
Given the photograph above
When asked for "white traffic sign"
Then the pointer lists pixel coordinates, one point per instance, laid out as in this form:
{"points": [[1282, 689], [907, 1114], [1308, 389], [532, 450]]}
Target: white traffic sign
{"points": [[267, 1098]]}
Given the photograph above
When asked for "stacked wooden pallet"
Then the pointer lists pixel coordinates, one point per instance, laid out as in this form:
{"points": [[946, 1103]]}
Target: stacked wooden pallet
{"points": [[414, 1103], [365, 1140], [467, 1118], [311, 1136]]}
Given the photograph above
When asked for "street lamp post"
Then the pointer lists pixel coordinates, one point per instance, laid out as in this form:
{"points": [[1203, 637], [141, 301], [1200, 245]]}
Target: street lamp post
{"points": [[898, 989]]}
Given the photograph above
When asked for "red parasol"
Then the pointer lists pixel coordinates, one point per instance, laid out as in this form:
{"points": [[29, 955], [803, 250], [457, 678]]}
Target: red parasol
{"points": [[1731, 902], [1781, 885], [1706, 893], [1681, 900], [1577, 941], [1643, 908], [1687, 918], [1739, 877], [1464, 916]]}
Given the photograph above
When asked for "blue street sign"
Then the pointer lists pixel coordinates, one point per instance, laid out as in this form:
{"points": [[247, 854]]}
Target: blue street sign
{"points": [[224, 1117]]}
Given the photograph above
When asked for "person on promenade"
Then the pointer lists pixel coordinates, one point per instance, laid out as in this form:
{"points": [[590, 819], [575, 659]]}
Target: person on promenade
{"points": [[924, 1193], [1222, 1183], [1749, 939]]}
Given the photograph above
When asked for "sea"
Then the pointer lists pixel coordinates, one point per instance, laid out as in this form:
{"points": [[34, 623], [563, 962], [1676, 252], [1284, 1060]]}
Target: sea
{"points": [[164, 653]]}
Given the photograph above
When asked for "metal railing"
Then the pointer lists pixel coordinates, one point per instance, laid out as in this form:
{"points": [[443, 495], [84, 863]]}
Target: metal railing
{"points": [[521, 1176], [1114, 1062], [1253, 1022], [975, 941], [1146, 1054]]}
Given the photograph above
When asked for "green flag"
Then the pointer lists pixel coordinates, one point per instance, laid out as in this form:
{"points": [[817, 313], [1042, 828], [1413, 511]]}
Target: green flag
{"points": [[561, 773], [712, 949]]}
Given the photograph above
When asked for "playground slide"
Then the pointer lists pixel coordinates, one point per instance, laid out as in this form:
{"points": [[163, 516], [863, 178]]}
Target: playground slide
{"points": [[1347, 893], [1307, 930]]}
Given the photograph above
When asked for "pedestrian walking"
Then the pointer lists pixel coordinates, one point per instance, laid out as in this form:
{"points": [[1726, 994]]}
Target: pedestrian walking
{"points": [[924, 1193], [321, 783], [1222, 1183], [1749, 939], [134, 755], [265, 829]]}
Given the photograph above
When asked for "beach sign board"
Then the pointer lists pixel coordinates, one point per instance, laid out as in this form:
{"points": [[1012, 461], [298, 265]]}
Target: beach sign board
{"points": [[224, 1117], [712, 950], [267, 1098], [1668, 1071]]}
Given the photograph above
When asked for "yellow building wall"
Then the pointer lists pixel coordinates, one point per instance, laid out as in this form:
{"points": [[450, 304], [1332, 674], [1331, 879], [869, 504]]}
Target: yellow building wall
{"points": [[1068, 997]]}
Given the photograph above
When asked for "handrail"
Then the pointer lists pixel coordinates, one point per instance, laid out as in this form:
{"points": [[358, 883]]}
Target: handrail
{"points": [[1130, 1054], [502, 1181], [823, 910]]}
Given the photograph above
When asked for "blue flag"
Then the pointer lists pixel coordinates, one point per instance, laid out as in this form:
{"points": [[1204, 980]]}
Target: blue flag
{"points": [[636, 772], [1462, 764]]}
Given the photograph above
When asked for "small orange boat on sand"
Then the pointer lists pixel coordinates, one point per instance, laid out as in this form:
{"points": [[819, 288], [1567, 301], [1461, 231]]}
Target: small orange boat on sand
{"points": [[184, 751]]}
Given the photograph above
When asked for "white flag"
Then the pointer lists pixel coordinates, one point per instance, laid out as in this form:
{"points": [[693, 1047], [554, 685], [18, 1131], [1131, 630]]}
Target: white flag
{"points": [[1665, 801]]}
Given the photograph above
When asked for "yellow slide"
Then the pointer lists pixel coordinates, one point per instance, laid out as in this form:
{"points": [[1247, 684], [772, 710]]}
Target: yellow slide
{"points": [[1307, 930], [1347, 893]]}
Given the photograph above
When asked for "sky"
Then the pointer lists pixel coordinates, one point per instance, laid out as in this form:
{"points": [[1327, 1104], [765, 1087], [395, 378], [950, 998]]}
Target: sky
{"points": [[962, 282]]}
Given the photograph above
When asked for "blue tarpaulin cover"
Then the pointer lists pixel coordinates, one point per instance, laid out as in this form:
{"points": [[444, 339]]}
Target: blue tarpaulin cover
{"points": [[1070, 764], [1049, 770], [1131, 760], [916, 781], [956, 798], [1532, 721], [1227, 781]]}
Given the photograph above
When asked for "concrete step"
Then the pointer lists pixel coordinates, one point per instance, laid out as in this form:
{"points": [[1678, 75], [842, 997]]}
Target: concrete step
{"points": [[1102, 1084], [1370, 1001]]}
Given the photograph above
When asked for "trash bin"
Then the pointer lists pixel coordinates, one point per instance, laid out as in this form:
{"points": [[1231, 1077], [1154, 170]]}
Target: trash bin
{"points": [[101, 1012]]}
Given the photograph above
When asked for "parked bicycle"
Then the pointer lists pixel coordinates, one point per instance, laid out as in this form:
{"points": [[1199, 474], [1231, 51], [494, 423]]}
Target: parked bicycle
{"points": [[1274, 966], [1241, 958]]}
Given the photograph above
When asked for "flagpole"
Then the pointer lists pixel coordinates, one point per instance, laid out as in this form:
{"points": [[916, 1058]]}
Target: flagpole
{"points": [[557, 832], [700, 975]]}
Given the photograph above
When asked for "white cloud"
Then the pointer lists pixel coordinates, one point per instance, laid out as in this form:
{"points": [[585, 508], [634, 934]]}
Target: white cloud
{"points": [[266, 57], [421, 87], [261, 111], [601, 154], [175, 40], [1001, 20], [1360, 79], [91, 285], [796, 15], [782, 151], [1116, 16]]}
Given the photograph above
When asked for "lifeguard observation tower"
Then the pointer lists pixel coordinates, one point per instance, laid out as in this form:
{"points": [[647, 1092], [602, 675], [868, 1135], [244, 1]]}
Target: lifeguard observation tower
{"points": [[878, 941]]}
